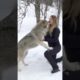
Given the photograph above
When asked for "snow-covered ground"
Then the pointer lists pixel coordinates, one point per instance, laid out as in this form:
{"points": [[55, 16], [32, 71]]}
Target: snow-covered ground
{"points": [[38, 67]]}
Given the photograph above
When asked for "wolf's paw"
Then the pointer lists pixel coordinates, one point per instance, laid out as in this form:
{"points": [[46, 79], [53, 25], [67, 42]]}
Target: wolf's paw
{"points": [[25, 64]]}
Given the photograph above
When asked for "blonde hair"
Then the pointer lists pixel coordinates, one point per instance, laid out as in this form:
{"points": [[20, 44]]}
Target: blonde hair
{"points": [[52, 26]]}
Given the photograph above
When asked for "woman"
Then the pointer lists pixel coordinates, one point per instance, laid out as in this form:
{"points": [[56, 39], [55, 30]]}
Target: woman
{"points": [[53, 41]]}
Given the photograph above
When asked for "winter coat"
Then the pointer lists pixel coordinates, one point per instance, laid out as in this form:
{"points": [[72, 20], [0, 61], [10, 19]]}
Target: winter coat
{"points": [[53, 40]]}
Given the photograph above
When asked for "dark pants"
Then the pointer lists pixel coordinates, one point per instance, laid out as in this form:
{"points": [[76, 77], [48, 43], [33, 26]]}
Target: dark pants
{"points": [[51, 56]]}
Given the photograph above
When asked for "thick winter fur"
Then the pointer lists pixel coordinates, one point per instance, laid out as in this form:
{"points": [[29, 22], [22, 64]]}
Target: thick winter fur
{"points": [[33, 39]]}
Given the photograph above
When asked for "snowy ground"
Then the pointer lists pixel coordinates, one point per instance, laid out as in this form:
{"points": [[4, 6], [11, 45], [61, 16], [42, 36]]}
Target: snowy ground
{"points": [[38, 67]]}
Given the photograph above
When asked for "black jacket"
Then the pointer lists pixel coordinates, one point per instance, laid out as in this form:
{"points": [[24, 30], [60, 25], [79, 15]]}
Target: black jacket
{"points": [[53, 40]]}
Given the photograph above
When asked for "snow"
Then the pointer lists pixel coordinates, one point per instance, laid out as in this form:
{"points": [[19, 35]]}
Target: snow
{"points": [[38, 67]]}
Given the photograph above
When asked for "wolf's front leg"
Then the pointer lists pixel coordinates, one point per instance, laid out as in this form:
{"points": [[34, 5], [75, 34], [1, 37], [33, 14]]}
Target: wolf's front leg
{"points": [[45, 45]]}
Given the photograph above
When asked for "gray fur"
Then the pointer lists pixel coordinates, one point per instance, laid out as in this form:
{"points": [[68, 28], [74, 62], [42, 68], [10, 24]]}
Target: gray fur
{"points": [[33, 39]]}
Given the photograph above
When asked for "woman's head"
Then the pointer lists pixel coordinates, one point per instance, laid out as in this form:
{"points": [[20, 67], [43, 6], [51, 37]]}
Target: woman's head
{"points": [[52, 20], [52, 23]]}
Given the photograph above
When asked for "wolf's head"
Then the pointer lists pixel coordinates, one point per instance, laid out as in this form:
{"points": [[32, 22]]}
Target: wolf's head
{"points": [[43, 23], [42, 27]]}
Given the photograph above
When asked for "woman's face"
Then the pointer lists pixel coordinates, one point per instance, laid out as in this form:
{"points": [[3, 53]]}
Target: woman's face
{"points": [[50, 21]]}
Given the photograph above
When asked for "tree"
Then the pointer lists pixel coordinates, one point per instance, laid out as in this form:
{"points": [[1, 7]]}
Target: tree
{"points": [[23, 4], [59, 7], [37, 10]]}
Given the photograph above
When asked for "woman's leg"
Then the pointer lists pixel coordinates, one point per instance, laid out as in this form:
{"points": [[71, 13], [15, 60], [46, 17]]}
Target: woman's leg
{"points": [[56, 50], [49, 55]]}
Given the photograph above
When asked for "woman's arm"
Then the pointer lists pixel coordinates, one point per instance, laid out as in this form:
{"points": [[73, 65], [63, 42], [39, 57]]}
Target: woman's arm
{"points": [[54, 36]]}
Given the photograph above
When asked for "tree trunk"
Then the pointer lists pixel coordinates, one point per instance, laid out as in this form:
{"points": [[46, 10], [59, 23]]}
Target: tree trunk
{"points": [[37, 10], [59, 9]]}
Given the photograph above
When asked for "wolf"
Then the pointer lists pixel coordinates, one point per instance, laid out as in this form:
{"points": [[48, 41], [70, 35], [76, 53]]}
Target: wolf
{"points": [[33, 39]]}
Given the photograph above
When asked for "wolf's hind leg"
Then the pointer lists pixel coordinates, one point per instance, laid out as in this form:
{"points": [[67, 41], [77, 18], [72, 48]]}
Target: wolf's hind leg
{"points": [[20, 56]]}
